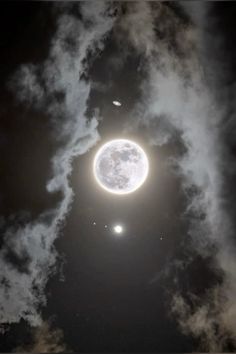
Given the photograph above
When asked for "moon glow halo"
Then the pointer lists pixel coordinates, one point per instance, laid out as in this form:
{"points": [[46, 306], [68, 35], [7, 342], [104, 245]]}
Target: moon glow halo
{"points": [[120, 166]]}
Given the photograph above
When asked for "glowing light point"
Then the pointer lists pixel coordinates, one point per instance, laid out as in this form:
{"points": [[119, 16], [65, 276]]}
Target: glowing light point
{"points": [[116, 103], [118, 229]]}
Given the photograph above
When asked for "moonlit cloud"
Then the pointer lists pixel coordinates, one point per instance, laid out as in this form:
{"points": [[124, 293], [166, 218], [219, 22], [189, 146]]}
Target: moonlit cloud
{"points": [[31, 245], [45, 340], [178, 101]]}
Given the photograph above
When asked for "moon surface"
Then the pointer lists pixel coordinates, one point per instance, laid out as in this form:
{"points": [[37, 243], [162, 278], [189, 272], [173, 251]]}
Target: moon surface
{"points": [[120, 166]]}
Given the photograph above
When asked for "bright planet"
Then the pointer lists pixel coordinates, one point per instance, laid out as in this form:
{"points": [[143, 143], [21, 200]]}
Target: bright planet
{"points": [[118, 229], [120, 166]]}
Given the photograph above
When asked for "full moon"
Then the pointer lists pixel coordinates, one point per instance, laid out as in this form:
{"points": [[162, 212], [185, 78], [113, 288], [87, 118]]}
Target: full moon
{"points": [[120, 166]]}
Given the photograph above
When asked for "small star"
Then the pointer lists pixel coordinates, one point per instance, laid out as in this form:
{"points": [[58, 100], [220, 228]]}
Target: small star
{"points": [[94, 223], [105, 226]]}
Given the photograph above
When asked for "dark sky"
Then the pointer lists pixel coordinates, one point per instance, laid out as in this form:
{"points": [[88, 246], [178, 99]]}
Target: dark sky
{"points": [[159, 286]]}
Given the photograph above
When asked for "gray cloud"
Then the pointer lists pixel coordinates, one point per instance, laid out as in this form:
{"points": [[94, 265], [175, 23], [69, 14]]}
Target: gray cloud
{"points": [[46, 339], [178, 100], [57, 86]]}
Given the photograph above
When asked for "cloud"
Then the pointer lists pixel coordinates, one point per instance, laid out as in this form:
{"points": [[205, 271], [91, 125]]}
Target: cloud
{"points": [[180, 101], [201, 322], [134, 23], [45, 340], [58, 87]]}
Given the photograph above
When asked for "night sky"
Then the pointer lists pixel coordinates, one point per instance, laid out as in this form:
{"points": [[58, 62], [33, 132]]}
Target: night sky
{"points": [[167, 283]]}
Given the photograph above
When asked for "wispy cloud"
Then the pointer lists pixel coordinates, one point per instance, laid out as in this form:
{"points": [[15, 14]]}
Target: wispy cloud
{"points": [[58, 87], [45, 339], [180, 100]]}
